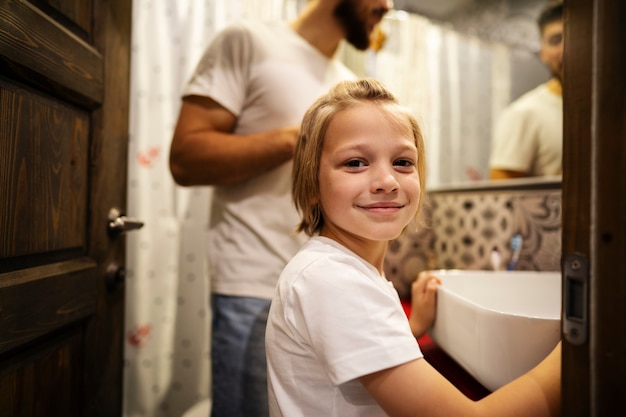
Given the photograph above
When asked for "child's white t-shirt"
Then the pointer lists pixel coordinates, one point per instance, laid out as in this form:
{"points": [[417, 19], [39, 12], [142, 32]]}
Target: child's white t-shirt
{"points": [[333, 319]]}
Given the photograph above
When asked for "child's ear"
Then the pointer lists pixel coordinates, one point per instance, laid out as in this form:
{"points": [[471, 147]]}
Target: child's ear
{"points": [[316, 205]]}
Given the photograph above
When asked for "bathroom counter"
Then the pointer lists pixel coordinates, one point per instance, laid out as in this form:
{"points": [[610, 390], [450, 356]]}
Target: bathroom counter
{"points": [[515, 184]]}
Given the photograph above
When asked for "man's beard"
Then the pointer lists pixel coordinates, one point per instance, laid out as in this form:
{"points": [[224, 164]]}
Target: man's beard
{"points": [[356, 31]]}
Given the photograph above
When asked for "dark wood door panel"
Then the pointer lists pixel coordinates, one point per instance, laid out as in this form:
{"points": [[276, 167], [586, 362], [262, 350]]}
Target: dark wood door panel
{"points": [[58, 295], [64, 81], [48, 380], [36, 49], [78, 12], [44, 147], [594, 203]]}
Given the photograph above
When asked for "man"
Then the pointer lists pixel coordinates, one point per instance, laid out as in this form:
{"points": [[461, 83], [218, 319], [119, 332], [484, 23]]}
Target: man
{"points": [[528, 139], [237, 130]]}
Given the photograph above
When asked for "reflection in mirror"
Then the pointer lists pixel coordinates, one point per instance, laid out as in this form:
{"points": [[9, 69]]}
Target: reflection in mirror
{"points": [[528, 136], [458, 64]]}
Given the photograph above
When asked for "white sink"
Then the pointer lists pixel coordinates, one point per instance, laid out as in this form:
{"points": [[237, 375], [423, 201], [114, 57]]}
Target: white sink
{"points": [[497, 325]]}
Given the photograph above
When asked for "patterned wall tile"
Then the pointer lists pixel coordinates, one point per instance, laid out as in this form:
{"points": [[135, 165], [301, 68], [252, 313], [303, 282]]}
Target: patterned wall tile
{"points": [[459, 230], [538, 220], [469, 226], [411, 253]]}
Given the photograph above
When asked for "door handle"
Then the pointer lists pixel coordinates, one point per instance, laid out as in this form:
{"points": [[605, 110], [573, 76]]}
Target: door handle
{"points": [[118, 223], [115, 276]]}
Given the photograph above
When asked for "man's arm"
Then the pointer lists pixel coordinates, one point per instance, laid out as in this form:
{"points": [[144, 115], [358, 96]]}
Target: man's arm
{"points": [[204, 151], [504, 174]]}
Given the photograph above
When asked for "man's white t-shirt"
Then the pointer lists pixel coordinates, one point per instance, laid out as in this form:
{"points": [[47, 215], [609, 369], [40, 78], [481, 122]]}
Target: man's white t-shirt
{"points": [[529, 135], [267, 76], [333, 319]]}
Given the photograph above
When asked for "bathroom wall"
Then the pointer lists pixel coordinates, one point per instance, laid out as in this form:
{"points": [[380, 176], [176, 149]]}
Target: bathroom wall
{"points": [[502, 21], [509, 22], [462, 226]]}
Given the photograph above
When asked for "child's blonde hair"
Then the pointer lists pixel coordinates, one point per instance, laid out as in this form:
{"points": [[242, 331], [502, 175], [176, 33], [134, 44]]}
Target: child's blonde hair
{"points": [[308, 151]]}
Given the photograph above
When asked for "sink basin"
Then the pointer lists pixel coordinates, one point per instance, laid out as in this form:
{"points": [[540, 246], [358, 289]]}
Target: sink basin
{"points": [[497, 325]]}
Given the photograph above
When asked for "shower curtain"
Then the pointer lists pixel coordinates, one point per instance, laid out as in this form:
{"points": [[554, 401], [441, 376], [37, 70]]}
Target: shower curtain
{"points": [[167, 364]]}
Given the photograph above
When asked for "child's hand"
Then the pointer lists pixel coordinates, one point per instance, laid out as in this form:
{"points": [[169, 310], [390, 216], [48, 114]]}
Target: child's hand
{"points": [[423, 302]]}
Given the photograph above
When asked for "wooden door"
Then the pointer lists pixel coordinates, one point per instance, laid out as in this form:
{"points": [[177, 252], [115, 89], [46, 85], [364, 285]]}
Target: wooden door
{"points": [[594, 204], [64, 82]]}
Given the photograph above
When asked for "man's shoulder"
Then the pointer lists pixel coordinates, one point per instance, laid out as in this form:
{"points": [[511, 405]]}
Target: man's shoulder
{"points": [[531, 95], [251, 27], [250, 33], [532, 101]]}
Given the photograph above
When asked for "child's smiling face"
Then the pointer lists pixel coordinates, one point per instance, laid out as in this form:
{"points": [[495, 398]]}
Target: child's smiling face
{"points": [[368, 178]]}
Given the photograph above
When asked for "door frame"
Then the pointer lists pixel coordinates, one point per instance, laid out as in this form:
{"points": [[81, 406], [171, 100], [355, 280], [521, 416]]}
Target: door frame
{"points": [[594, 204]]}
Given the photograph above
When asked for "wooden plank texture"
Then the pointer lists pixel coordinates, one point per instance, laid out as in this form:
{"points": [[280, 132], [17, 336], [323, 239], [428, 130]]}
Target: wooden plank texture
{"points": [[47, 381], [36, 47], [608, 225], [43, 173], [58, 294], [577, 91]]}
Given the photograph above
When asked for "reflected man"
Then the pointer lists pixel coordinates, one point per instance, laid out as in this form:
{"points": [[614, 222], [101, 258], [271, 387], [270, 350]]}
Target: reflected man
{"points": [[528, 139]]}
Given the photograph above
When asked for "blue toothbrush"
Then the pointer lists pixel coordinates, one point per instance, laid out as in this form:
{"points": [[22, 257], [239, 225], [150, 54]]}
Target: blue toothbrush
{"points": [[516, 247]]}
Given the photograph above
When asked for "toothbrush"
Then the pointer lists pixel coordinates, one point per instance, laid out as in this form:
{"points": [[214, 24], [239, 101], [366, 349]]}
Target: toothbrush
{"points": [[496, 259], [516, 246]]}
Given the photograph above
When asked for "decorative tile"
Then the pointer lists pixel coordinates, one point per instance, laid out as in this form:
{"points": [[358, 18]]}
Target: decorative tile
{"points": [[411, 253], [469, 226], [459, 230]]}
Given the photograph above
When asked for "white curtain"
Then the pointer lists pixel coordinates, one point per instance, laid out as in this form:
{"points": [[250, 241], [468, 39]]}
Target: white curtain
{"points": [[167, 365], [167, 358]]}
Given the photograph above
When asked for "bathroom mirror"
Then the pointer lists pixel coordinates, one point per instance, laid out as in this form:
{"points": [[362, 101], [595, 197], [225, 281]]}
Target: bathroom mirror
{"points": [[457, 63]]}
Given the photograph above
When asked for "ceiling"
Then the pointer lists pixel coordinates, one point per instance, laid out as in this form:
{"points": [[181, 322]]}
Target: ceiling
{"points": [[437, 9]]}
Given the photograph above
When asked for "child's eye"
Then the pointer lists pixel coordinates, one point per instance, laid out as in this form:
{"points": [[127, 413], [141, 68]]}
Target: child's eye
{"points": [[354, 163], [555, 40], [404, 163]]}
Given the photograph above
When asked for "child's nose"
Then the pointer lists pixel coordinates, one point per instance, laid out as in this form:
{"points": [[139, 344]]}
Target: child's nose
{"points": [[384, 180]]}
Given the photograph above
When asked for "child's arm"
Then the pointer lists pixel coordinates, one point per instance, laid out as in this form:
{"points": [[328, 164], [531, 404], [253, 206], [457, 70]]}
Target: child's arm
{"points": [[417, 389], [536, 393]]}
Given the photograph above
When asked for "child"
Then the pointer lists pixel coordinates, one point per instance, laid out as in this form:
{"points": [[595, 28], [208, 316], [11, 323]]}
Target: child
{"points": [[338, 342]]}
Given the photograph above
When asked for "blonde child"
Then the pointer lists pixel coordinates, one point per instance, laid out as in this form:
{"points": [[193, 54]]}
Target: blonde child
{"points": [[338, 342]]}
